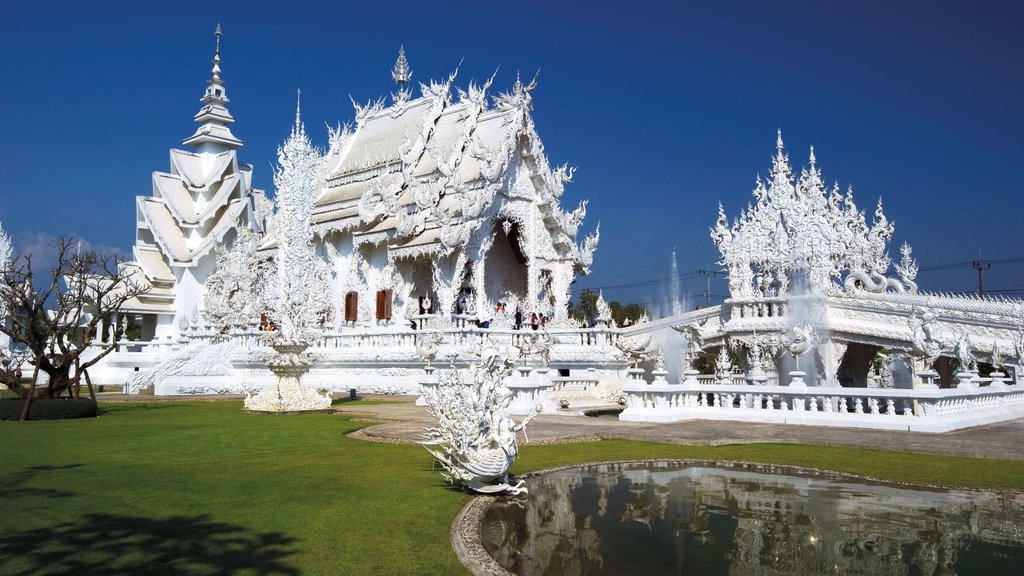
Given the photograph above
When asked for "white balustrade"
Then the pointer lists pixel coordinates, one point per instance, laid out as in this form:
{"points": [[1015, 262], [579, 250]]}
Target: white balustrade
{"points": [[927, 410], [573, 384]]}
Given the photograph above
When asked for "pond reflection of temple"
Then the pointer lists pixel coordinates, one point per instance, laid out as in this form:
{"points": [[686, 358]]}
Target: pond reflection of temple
{"points": [[625, 519]]}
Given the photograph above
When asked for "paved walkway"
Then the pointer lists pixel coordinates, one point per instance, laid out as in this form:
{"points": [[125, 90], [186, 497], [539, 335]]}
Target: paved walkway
{"points": [[403, 421]]}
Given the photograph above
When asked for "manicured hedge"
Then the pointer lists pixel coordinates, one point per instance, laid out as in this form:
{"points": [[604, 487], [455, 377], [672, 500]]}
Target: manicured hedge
{"points": [[42, 409]]}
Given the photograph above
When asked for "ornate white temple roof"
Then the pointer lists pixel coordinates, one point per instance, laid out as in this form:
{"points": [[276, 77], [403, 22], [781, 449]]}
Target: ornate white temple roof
{"points": [[425, 173], [152, 262], [189, 166]]}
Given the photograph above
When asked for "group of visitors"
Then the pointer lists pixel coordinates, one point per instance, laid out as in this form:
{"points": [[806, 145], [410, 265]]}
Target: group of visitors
{"points": [[463, 308], [537, 319]]}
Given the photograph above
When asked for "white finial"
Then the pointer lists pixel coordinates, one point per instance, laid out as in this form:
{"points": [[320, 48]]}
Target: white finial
{"points": [[401, 74], [813, 159], [216, 57], [298, 106], [778, 141]]}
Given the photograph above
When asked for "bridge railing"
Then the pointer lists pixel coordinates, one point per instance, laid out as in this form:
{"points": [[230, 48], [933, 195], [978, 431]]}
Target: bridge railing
{"points": [[922, 409]]}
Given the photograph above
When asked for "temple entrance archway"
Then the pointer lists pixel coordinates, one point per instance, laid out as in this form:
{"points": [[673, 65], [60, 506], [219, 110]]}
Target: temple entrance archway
{"points": [[506, 264]]}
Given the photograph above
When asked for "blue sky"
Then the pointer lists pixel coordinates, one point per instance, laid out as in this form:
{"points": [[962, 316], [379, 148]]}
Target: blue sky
{"points": [[666, 108]]}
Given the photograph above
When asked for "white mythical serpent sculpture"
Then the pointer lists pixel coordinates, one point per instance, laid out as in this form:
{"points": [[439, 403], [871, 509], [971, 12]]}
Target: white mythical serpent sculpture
{"points": [[875, 282]]}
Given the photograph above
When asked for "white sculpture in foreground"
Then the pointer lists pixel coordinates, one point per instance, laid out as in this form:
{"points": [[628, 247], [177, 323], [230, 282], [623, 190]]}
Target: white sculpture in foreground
{"points": [[475, 438], [300, 280]]}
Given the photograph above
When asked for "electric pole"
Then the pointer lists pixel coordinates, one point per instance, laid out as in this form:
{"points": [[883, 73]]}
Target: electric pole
{"points": [[981, 266], [708, 275]]}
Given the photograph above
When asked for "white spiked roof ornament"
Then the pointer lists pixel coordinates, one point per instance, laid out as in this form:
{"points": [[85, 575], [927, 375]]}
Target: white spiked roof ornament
{"points": [[401, 74]]}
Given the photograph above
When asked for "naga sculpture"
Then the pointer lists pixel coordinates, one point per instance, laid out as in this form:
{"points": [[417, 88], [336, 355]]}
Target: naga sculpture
{"points": [[475, 438], [635, 350]]}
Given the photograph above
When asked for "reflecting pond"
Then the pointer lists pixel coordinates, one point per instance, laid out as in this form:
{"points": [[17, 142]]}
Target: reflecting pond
{"points": [[652, 518]]}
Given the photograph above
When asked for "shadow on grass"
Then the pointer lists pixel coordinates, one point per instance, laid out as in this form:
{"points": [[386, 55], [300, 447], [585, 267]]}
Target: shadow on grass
{"points": [[15, 484], [113, 544]]}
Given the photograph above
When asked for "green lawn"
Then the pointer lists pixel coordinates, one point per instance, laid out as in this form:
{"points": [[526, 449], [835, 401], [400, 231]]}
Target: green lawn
{"points": [[198, 487]]}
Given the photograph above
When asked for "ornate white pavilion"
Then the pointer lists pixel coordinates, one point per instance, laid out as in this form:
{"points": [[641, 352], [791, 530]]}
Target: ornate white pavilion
{"points": [[816, 331]]}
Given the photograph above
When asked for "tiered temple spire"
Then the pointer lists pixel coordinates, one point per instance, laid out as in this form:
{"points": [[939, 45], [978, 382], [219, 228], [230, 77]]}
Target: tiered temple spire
{"points": [[402, 74], [213, 134]]}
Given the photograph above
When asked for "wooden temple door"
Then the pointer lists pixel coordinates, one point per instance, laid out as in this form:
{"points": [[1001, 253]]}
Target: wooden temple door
{"points": [[351, 306], [384, 305]]}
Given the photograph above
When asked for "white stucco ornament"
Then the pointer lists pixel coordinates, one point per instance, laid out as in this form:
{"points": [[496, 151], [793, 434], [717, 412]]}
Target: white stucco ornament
{"points": [[301, 280], [923, 334], [475, 438], [694, 342]]}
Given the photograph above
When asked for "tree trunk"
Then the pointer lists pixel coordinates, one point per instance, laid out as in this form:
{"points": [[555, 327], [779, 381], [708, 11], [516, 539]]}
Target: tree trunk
{"points": [[31, 392], [78, 380], [88, 382]]}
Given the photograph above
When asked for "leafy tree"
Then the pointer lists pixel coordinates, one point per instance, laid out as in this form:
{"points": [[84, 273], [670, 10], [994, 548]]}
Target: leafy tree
{"points": [[586, 309], [622, 313], [56, 322]]}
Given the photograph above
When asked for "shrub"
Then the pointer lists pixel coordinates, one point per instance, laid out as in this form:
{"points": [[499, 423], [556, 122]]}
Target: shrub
{"points": [[43, 409]]}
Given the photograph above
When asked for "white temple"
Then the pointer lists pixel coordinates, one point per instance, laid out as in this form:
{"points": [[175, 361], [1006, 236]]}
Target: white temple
{"points": [[430, 221], [432, 218]]}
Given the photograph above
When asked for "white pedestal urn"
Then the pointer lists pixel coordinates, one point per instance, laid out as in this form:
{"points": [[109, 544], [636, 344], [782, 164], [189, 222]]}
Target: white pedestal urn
{"points": [[635, 375], [966, 379], [529, 390], [927, 380], [289, 363], [427, 381], [638, 396], [998, 380], [659, 376], [690, 377], [796, 379]]}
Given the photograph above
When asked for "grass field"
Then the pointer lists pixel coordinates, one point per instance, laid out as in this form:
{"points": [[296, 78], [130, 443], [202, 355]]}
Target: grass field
{"points": [[200, 488]]}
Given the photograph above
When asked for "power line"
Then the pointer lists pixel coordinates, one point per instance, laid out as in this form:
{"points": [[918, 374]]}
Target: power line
{"points": [[685, 276], [706, 274], [971, 264]]}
